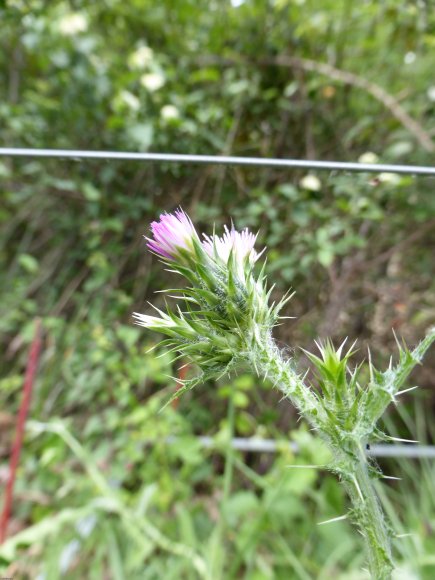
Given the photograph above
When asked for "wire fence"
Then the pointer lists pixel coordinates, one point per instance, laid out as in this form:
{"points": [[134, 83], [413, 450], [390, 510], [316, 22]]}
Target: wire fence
{"points": [[254, 445]]}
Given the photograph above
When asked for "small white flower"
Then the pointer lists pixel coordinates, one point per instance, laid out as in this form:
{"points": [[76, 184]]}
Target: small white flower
{"points": [[431, 93], [311, 182], [130, 100], [169, 112], [409, 57], [152, 81], [141, 58], [390, 178], [368, 157], [73, 24]]}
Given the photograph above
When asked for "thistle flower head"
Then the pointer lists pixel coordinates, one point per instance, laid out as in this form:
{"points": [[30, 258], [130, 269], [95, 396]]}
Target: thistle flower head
{"points": [[174, 232], [226, 305], [241, 244]]}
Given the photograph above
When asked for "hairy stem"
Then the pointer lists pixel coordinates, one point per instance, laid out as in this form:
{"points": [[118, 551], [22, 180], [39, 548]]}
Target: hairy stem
{"points": [[269, 362], [393, 379], [368, 516]]}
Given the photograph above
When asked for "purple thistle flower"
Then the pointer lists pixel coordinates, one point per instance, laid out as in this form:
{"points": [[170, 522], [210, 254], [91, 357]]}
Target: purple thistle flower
{"points": [[240, 243], [172, 233]]}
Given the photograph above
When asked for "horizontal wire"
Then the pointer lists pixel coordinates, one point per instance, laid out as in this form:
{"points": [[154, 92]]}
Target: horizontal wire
{"points": [[257, 445], [219, 160]]}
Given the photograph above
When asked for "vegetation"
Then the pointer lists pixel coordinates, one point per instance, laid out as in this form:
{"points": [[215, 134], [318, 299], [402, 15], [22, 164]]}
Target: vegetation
{"points": [[100, 492]]}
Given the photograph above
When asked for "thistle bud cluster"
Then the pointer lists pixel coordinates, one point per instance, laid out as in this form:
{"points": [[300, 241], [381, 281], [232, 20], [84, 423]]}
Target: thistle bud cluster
{"points": [[225, 307], [226, 321]]}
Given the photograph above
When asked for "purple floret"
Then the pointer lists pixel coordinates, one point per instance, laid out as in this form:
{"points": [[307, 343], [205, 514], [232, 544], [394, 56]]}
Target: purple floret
{"points": [[172, 232]]}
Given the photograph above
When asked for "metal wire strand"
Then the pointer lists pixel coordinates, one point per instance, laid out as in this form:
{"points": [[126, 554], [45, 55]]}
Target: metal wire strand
{"points": [[257, 445], [220, 160]]}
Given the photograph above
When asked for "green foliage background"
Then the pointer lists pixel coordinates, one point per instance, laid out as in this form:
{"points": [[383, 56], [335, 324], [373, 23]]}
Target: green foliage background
{"points": [[206, 78]]}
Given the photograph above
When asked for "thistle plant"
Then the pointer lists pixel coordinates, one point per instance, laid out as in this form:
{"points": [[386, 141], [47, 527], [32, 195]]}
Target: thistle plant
{"points": [[226, 323]]}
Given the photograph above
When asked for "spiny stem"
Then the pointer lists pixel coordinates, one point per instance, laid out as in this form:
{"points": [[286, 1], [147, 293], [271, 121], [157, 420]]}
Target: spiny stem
{"points": [[367, 515], [268, 357]]}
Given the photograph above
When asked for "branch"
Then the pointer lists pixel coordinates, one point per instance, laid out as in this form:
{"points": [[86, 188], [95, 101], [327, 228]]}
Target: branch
{"points": [[343, 76]]}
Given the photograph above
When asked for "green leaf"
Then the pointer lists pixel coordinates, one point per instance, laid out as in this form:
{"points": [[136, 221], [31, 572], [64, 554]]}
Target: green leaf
{"points": [[28, 263], [142, 135], [90, 192]]}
